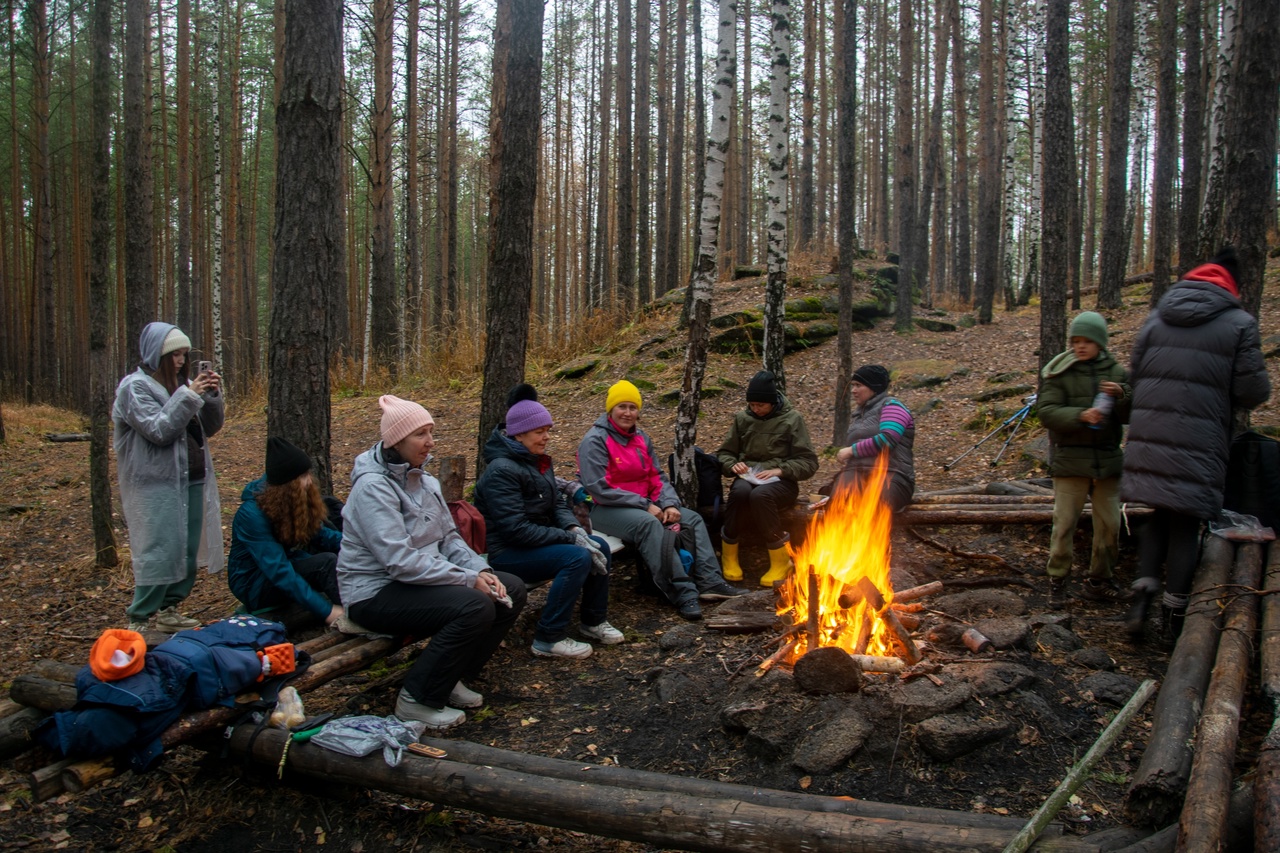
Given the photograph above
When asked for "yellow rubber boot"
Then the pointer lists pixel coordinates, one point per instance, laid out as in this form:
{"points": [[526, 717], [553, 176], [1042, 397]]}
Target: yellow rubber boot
{"points": [[779, 566], [729, 561]]}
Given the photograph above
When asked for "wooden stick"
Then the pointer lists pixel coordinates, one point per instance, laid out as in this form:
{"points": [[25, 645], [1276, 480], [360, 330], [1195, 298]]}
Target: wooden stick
{"points": [[1204, 815], [909, 607], [915, 592], [768, 662], [1078, 774], [811, 627], [910, 621], [46, 782], [964, 555], [865, 626], [910, 651], [981, 499], [879, 663], [931, 516]]}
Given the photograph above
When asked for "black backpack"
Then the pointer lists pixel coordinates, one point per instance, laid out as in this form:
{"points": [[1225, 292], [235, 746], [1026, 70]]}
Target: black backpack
{"points": [[706, 468], [1253, 478]]}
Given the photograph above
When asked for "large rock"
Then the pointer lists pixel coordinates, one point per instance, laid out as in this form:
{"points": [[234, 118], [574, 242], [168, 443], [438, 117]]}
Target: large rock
{"points": [[827, 670], [669, 685], [828, 747], [1093, 658], [992, 679], [774, 736], [1006, 633], [1056, 638], [1034, 707], [921, 699], [951, 735], [577, 369], [743, 716], [925, 372], [977, 604], [1002, 393], [934, 325], [1113, 688]]}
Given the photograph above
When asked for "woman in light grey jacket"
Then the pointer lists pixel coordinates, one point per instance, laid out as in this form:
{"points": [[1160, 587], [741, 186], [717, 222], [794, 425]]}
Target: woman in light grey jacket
{"points": [[162, 420], [403, 569]]}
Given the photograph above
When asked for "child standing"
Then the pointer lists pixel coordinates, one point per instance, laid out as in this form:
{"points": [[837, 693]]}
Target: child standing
{"points": [[1084, 400]]}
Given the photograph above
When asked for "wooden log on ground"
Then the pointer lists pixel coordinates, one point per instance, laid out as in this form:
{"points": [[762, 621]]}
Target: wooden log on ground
{"points": [[36, 692], [878, 663], [338, 649], [927, 515], [46, 782], [1266, 793], [56, 670], [61, 437], [915, 592], [996, 500], [1204, 814], [741, 622], [1016, 487], [908, 649], [654, 817], [16, 729], [1155, 795], [1270, 623], [8, 708]]}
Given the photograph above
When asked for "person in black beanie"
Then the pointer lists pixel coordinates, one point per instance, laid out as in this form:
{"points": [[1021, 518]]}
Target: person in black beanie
{"points": [[879, 424], [284, 549], [768, 452]]}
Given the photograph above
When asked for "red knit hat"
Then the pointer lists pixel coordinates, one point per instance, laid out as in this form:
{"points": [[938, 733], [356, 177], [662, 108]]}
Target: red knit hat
{"points": [[401, 418], [117, 654]]}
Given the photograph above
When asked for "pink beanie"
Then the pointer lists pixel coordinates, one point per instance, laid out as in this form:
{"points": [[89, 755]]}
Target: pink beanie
{"points": [[401, 418]]}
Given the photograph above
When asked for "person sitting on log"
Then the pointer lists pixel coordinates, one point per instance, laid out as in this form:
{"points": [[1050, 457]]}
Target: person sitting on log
{"points": [[403, 569], [1077, 388], [768, 452], [531, 533], [635, 502], [283, 548], [879, 424]]}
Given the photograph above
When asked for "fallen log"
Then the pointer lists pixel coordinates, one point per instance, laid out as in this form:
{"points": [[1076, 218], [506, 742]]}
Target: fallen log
{"points": [[36, 692], [16, 729], [928, 516], [61, 437], [997, 499], [915, 592], [1266, 793], [1270, 639], [741, 622], [1204, 813], [657, 817], [1016, 487], [46, 782], [907, 647], [1155, 795], [879, 663]]}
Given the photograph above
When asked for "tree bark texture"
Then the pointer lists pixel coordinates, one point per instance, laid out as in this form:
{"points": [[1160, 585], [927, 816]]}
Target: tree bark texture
{"points": [[777, 196], [1210, 226], [1115, 239], [624, 289], [905, 171], [138, 199], [1162, 200], [962, 274], [1192, 135], [805, 214], [308, 272], [988, 239], [385, 309], [846, 231], [1058, 145]]}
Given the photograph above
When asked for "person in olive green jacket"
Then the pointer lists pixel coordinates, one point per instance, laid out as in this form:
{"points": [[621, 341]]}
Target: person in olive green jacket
{"points": [[1084, 401], [768, 453]]}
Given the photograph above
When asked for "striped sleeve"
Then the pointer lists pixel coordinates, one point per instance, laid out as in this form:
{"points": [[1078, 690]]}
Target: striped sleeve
{"points": [[895, 420]]}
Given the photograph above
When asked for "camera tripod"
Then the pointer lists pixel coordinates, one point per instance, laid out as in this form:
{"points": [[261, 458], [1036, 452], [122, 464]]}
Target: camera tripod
{"points": [[1013, 423]]}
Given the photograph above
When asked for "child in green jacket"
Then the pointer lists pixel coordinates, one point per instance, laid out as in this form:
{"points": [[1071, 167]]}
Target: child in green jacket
{"points": [[1084, 400]]}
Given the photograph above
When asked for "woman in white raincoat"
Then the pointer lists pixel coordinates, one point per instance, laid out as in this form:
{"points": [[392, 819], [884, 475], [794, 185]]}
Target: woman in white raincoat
{"points": [[170, 497]]}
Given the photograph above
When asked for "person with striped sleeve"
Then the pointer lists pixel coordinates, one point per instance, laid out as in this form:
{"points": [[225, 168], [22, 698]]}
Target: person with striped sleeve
{"points": [[879, 424]]}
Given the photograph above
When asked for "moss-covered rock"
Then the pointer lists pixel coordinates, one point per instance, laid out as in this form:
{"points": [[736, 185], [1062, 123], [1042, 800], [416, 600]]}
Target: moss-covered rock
{"points": [[1003, 393], [1004, 378], [577, 369], [925, 372], [934, 325], [735, 318], [747, 272], [643, 384]]}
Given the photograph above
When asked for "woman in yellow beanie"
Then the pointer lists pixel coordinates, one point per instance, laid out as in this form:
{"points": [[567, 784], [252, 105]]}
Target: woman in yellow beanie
{"points": [[635, 501]]}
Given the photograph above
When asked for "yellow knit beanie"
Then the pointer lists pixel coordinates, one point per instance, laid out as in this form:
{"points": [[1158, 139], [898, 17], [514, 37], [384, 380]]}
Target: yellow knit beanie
{"points": [[622, 391]]}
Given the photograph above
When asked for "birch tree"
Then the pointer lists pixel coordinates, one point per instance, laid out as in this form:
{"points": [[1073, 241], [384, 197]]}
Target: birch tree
{"points": [[776, 197], [1210, 234], [705, 266], [138, 188], [1035, 110]]}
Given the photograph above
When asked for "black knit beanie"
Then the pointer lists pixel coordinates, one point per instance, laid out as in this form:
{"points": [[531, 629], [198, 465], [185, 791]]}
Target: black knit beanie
{"points": [[285, 461], [1229, 261], [762, 388], [874, 376]]}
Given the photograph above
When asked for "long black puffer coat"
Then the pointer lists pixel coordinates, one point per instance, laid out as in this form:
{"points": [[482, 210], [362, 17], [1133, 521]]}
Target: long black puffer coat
{"points": [[1197, 358]]}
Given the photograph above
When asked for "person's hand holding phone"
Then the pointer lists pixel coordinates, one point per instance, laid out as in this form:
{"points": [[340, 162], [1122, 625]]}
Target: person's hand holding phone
{"points": [[206, 380]]}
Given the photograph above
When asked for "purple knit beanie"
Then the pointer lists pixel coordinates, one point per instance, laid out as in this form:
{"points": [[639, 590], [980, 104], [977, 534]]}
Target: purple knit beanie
{"points": [[527, 415]]}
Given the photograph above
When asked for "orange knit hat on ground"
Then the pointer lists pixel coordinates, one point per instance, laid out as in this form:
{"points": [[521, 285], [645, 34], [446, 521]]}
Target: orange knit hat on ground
{"points": [[117, 654]]}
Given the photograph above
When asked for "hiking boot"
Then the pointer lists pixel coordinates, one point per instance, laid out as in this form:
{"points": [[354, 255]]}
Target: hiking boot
{"points": [[690, 610], [720, 591], [1171, 626], [1136, 619], [729, 561], [603, 633], [1057, 592], [170, 621], [139, 627], [462, 696], [409, 709], [566, 648], [1104, 590]]}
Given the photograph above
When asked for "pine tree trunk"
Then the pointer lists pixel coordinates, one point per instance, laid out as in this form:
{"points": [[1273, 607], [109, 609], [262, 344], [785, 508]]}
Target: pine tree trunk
{"points": [[1035, 107], [43, 367], [905, 177], [962, 274], [215, 273], [385, 309], [1058, 155], [805, 215], [776, 198], [1115, 239], [704, 269], [675, 193], [746, 186], [624, 290], [661, 167], [413, 308], [847, 236], [988, 238], [644, 103], [931, 177], [310, 254], [600, 272], [1162, 199], [182, 127], [1192, 137], [139, 271]]}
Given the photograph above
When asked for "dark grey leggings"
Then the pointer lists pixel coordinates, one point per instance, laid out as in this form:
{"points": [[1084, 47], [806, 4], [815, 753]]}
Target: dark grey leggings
{"points": [[1171, 539]]}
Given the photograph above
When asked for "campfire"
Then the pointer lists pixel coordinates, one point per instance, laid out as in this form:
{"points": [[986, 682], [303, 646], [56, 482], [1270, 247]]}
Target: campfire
{"points": [[840, 594]]}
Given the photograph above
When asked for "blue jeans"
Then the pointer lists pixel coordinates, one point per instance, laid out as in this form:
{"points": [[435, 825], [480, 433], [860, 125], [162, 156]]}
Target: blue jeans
{"points": [[568, 567]]}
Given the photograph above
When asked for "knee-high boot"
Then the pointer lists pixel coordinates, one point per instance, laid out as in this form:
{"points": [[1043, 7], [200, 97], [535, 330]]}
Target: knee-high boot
{"points": [[729, 561], [779, 566]]}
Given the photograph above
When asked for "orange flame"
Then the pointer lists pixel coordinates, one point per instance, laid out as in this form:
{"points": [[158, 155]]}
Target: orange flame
{"points": [[847, 541]]}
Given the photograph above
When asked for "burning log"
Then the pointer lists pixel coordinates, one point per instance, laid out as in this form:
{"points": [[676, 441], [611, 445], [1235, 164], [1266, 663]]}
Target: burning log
{"points": [[815, 605], [916, 592], [907, 647], [864, 631], [910, 621], [909, 607], [1155, 796], [781, 654], [1204, 813]]}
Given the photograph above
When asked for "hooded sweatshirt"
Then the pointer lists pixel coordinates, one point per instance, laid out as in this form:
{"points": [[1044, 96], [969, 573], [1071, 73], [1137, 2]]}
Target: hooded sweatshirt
{"points": [[780, 440], [1197, 358], [620, 469], [150, 438], [519, 499], [397, 527]]}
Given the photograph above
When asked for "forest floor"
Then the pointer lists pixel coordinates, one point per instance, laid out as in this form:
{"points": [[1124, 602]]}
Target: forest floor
{"points": [[604, 709]]}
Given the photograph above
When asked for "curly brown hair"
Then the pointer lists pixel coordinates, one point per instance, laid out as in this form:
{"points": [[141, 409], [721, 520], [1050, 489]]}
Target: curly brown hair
{"points": [[295, 510]]}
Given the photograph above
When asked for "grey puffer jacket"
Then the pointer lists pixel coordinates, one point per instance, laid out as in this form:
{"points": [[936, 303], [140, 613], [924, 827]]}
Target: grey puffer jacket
{"points": [[397, 527], [1196, 359]]}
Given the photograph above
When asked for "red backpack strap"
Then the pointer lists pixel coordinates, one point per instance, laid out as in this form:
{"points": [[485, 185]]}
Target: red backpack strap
{"points": [[470, 524]]}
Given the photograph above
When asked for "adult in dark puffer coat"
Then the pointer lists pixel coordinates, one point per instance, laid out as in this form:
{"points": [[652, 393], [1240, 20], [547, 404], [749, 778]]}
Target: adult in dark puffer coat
{"points": [[1197, 358]]}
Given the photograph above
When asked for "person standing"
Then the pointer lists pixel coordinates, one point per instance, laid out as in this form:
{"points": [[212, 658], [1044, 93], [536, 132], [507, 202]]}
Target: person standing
{"points": [[162, 419], [768, 452], [1077, 389], [1197, 360]]}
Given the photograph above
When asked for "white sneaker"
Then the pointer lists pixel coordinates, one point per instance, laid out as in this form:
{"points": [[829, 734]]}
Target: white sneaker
{"points": [[603, 633], [170, 621], [566, 648], [463, 696], [410, 709]]}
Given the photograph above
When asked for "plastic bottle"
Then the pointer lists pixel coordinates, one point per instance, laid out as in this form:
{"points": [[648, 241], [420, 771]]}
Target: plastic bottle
{"points": [[1103, 403]]}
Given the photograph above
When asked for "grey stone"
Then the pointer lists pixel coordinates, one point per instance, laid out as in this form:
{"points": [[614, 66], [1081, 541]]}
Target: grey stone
{"points": [[1037, 450], [934, 325], [1056, 638], [950, 736], [921, 699], [743, 716], [1114, 688], [902, 578], [992, 679], [827, 670], [679, 637], [1058, 617], [828, 747], [1034, 706], [1006, 632], [981, 604], [1091, 657], [668, 685], [774, 735]]}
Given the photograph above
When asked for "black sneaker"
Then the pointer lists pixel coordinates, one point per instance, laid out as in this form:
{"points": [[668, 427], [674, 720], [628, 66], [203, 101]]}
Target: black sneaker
{"points": [[720, 592], [1057, 593], [690, 610], [1104, 590]]}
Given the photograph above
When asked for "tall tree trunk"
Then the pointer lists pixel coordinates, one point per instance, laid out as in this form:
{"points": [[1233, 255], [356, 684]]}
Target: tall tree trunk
{"points": [[43, 369], [1162, 200], [930, 278], [1007, 143], [746, 185], [644, 103], [1192, 136], [905, 178], [413, 308], [675, 194], [704, 269], [1250, 169], [662, 167], [603, 249], [1035, 107], [1115, 240], [310, 254], [1057, 173], [100, 374], [847, 237], [514, 152], [988, 242], [385, 308], [215, 274], [962, 274], [624, 291], [1223, 89], [139, 269], [779, 162], [186, 298], [804, 239]]}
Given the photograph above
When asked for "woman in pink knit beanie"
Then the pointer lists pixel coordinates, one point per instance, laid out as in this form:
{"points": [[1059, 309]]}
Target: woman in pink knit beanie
{"points": [[404, 569]]}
